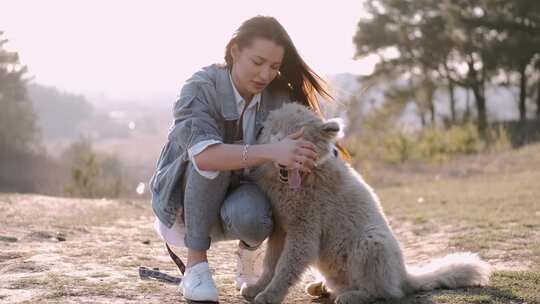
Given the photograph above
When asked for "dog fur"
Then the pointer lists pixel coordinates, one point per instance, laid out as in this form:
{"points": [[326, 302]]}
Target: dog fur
{"points": [[335, 223]]}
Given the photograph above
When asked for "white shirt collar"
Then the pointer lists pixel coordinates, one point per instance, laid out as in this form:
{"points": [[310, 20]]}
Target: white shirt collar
{"points": [[240, 100]]}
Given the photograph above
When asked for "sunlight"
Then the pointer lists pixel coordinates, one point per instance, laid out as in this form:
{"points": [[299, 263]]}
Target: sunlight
{"points": [[126, 49]]}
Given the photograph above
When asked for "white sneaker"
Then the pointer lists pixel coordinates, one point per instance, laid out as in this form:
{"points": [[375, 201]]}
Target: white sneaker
{"points": [[198, 285], [249, 266]]}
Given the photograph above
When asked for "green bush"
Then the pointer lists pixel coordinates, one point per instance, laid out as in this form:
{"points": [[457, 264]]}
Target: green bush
{"points": [[436, 144], [93, 174], [430, 144], [398, 147]]}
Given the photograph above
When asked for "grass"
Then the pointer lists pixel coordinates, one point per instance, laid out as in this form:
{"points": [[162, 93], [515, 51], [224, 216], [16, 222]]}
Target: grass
{"points": [[506, 287], [59, 286], [493, 209], [491, 212], [29, 282], [494, 212]]}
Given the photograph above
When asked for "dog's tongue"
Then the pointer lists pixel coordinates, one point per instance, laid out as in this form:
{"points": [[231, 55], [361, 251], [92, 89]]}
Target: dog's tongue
{"points": [[294, 179]]}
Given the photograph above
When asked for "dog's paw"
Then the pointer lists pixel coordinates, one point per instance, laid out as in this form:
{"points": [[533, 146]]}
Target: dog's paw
{"points": [[267, 298], [317, 289], [251, 291]]}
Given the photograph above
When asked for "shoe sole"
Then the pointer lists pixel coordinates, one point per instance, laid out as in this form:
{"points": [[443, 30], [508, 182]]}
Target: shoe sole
{"points": [[201, 302]]}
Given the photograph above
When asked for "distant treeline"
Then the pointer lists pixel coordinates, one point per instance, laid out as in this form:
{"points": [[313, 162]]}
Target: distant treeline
{"points": [[431, 45], [29, 113]]}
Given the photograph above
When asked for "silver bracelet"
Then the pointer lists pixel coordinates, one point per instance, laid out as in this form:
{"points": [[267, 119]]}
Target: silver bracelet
{"points": [[245, 155]]}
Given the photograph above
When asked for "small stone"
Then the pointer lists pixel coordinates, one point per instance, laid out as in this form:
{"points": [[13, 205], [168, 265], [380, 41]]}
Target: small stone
{"points": [[60, 237], [146, 242], [9, 239]]}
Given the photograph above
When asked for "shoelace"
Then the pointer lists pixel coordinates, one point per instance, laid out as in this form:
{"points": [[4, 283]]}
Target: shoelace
{"points": [[204, 277]]}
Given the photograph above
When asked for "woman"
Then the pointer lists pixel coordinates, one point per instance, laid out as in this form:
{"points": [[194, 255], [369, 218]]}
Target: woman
{"points": [[201, 191]]}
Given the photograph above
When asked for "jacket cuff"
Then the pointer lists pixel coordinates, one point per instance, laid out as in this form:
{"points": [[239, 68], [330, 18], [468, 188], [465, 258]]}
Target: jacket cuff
{"points": [[198, 148]]}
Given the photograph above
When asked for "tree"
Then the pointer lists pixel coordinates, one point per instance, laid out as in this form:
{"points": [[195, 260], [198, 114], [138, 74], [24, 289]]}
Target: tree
{"points": [[18, 131], [453, 43], [516, 24], [397, 26], [537, 67], [472, 48], [424, 36]]}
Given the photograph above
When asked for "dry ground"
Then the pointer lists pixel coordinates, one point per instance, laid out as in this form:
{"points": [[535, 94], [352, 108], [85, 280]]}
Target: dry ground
{"points": [[65, 250]]}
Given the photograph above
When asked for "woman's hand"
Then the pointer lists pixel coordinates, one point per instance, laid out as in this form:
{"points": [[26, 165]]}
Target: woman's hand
{"points": [[295, 153]]}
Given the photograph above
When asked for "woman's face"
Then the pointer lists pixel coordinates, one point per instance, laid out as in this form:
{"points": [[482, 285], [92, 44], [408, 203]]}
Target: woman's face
{"points": [[255, 65]]}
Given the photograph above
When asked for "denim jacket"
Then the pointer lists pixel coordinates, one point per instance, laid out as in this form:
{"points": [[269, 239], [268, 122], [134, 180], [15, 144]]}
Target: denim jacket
{"points": [[205, 109]]}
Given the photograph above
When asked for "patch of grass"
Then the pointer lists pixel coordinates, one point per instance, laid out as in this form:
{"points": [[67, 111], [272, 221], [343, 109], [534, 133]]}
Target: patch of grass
{"points": [[488, 212], [148, 287], [505, 287], [28, 282], [481, 240], [102, 288], [480, 299], [62, 286], [419, 220], [59, 286]]}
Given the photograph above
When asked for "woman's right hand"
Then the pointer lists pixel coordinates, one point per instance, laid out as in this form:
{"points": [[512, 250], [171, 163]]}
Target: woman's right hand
{"points": [[295, 153]]}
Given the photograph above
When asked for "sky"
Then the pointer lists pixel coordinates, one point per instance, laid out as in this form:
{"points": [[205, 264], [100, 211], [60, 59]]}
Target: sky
{"points": [[136, 49]]}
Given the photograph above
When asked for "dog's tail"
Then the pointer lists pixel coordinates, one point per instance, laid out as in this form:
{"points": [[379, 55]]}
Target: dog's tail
{"points": [[452, 271]]}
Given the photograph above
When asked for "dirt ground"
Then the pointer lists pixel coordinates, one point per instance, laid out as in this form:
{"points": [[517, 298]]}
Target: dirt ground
{"points": [[69, 250], [61, 250]]}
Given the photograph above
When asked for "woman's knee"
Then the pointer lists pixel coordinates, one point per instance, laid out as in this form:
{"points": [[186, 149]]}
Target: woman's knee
{"points": [[256, 228], [247, 215]]}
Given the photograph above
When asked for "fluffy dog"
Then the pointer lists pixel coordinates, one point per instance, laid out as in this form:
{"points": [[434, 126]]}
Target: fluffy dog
{"points": [[332, 219]]}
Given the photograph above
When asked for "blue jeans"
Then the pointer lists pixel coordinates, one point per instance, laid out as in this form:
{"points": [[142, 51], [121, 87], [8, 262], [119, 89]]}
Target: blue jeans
{"points": [[214, 210]]}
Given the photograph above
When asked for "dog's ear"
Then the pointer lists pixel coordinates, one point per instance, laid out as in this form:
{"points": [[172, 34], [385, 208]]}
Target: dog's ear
{"points": [[330, 129], [333, 128]]}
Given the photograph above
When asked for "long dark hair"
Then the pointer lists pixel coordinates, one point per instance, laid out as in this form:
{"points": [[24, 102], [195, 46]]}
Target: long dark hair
{"points": [[295, 76]]}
